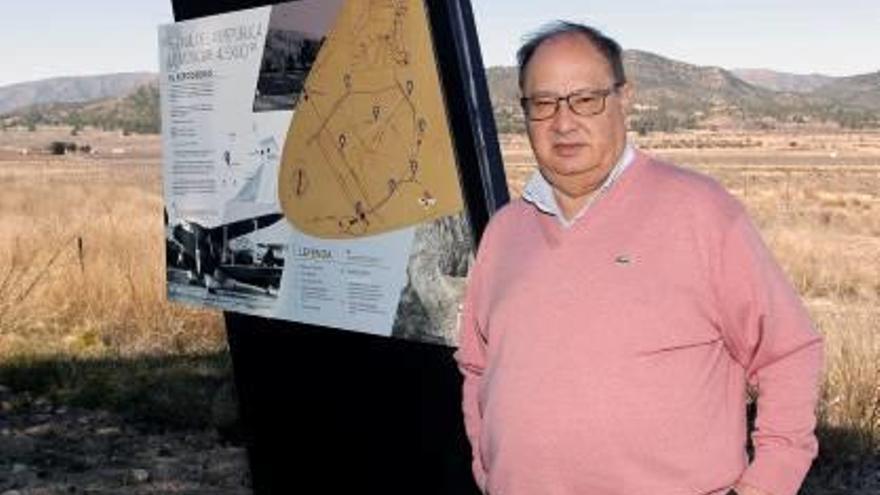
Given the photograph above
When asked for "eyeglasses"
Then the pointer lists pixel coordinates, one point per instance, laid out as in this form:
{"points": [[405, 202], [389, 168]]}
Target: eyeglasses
{"points": [[585, 103]]}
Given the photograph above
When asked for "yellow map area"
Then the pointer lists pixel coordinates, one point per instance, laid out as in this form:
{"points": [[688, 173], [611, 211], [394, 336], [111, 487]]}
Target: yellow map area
{"points": [[369, 150]]}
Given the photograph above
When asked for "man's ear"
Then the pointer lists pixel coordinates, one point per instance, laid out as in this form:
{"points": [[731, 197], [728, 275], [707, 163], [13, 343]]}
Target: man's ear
{"points": [[627, 94]]}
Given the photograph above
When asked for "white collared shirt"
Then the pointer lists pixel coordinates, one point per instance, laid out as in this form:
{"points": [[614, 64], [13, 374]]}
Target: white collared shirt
{"points": [[539, 192]]}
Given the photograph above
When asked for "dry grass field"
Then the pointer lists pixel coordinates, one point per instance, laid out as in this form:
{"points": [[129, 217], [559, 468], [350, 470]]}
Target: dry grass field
{"points": [[81, 251], [81, 248]]}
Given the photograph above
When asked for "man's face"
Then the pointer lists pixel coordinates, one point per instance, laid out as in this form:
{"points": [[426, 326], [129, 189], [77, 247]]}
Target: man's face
{"points": [[575, 153]]}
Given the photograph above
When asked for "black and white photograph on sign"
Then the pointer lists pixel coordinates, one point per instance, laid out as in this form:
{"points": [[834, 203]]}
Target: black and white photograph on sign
{"points": [[295, 35], [227, 262]]}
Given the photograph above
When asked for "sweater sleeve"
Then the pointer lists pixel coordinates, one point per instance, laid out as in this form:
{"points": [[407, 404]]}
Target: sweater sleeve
{"points": [[471, 359], [768, 331]]}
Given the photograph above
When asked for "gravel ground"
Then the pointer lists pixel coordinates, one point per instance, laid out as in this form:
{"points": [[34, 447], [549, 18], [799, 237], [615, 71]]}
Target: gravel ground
{"points": [[45, 449]]}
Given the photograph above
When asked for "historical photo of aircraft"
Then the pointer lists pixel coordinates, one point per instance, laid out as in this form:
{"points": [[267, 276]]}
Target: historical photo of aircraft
{"points": [[223, 258]]}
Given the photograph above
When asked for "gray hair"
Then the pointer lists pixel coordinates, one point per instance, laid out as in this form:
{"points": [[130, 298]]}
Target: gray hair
{"points": [[609, 48]]}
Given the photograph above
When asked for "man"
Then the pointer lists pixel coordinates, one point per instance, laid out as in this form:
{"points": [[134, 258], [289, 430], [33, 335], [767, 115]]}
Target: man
{"points": [[617, 314]]}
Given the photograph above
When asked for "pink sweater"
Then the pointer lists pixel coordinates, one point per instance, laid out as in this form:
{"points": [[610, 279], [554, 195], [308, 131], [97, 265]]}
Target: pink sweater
{"points": [[613, 357]]}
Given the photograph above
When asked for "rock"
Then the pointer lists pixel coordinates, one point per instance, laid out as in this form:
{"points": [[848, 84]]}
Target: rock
{"points": [[108, 431], [19, 468], [41, 418], [140, 475], [17, 446], [4, 389], [11, 492], [166, 469], [38, 430]]}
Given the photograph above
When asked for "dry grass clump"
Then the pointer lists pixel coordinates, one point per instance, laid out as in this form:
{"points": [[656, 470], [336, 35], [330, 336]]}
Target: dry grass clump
{"points": [[851, 393], [81, 263], [831, 266]]}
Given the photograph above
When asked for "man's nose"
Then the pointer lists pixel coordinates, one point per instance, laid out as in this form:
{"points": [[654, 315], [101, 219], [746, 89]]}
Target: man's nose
{"points": [[565, 119]]}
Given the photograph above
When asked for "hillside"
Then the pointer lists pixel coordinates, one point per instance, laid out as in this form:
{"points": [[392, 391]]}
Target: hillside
{"points": [[782, 81], [137, 111], [70, 89], [862, 91], [671, 94]]}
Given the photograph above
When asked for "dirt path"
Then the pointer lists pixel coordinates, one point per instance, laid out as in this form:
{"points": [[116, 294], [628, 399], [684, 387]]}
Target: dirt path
{"points": [[45, 449]]}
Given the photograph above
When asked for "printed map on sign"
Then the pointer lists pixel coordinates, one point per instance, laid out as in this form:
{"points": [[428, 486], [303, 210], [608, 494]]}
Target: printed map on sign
{"points": [[368, 150]]}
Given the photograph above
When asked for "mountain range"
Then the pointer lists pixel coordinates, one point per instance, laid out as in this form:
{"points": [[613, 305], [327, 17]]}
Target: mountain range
{"points": [[126, 101], [71, 89], [782, 81], [670, 94]]}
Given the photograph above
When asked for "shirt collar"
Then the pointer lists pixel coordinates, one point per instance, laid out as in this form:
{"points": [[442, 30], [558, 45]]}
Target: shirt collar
{"points": [[539, 192]]}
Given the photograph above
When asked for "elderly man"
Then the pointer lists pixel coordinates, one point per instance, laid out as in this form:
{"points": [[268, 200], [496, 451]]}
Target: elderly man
{"points": [[617, 314]]}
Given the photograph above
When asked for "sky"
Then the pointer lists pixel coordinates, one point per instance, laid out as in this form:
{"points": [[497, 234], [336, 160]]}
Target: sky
{"points": [[51, 38]]}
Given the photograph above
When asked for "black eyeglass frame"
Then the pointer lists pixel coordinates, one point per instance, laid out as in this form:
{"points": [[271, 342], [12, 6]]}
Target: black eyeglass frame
{"points": [[599, 93]]}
